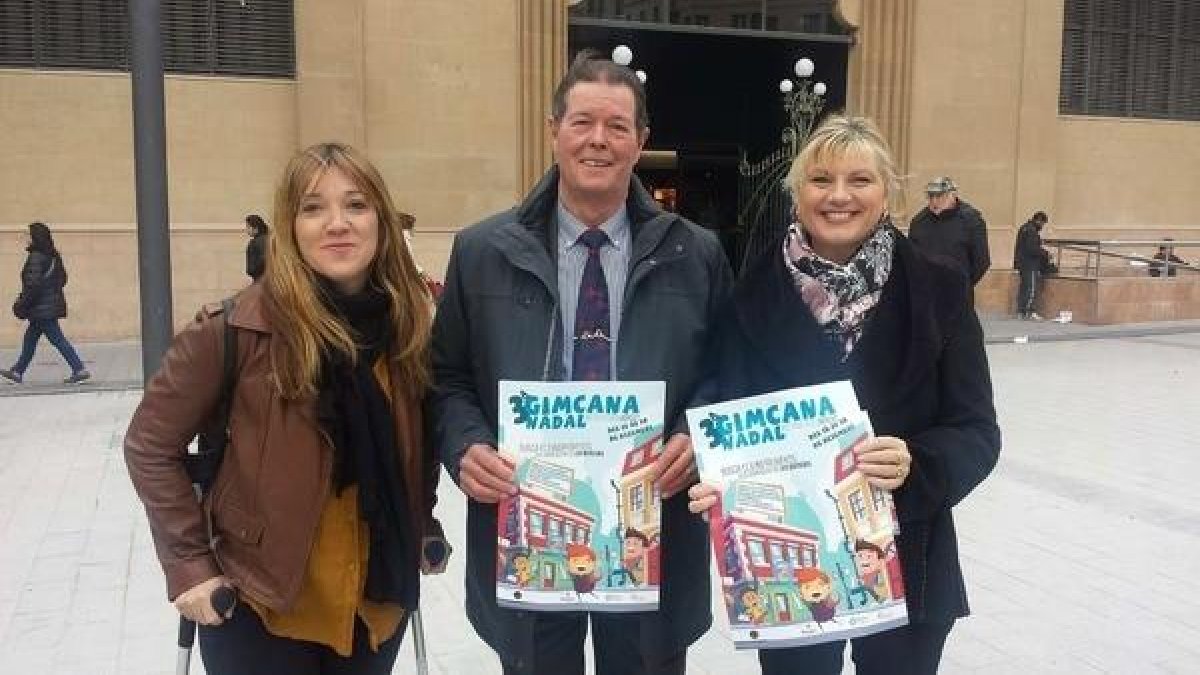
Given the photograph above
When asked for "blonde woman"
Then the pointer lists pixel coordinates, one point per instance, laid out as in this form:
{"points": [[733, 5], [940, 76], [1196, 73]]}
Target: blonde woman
{"points": [[845, 296], [323, 501]]}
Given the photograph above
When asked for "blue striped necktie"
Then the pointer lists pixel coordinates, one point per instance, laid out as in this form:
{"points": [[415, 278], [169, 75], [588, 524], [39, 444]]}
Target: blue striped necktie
{"points": [[592, 356]]}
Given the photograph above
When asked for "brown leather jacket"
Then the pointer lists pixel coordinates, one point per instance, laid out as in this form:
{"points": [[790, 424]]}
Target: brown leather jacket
{"points": [[275, 477]]}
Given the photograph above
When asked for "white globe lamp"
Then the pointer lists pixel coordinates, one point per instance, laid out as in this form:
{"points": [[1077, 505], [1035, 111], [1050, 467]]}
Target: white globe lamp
{"points": [[819, 89], [785, 86], [622, 55], [804, 68]]}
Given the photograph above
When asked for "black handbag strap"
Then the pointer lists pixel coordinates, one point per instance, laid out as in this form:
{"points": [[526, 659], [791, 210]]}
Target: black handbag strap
{"points": [[202, 465], [228, 376]]}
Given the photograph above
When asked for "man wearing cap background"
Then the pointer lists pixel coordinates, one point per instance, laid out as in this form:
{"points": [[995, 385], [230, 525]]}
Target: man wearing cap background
{"points": [[952, 230]]}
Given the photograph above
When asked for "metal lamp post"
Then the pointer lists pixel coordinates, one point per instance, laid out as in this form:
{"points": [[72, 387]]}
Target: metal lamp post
{"points": [[150, 169]]}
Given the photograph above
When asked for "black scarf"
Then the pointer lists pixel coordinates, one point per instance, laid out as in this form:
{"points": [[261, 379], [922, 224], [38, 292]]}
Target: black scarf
{"points": [[356, 415]]}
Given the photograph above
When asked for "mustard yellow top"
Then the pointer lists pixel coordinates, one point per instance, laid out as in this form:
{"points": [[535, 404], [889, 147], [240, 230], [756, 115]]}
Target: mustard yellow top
{"points": [[331, 595], [332, 591]]}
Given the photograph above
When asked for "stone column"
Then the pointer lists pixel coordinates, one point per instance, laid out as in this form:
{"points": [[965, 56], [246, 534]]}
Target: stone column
{"points": [[880, 78], [542, 38]]}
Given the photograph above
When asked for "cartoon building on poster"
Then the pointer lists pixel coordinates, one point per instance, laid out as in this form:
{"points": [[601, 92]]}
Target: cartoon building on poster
{"points": [[803, 544], [582, 531], [869, 520]]}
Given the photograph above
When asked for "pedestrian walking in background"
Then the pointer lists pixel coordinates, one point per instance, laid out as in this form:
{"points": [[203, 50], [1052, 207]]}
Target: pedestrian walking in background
{"points": [[256, 248], [42, 303], [322, 510], [1031, 262], [951, 229], [844, 295]]}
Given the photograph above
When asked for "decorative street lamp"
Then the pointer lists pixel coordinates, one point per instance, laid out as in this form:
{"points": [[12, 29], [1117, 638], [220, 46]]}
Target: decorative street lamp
{"points": [[764, 208], [622, 55], [803, 104]]}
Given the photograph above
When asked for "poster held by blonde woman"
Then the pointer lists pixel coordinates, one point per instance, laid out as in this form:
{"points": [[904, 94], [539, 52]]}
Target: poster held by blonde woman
{"points": [[321, 511], [844, 295]]}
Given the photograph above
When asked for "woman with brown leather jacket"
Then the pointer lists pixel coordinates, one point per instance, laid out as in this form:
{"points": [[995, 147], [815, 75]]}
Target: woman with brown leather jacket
{"points": [[322, 506]]}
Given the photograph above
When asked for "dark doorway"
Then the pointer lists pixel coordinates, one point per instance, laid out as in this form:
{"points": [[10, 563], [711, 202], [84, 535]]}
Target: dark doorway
{"points": [[712, 97]]}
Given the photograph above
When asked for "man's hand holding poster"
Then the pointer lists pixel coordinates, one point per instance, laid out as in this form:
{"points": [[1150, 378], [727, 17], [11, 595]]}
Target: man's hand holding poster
{"points": [[582, 532]]}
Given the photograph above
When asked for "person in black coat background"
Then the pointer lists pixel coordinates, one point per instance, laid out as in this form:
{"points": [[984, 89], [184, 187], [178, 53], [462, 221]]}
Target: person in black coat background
{"points": [[952, 230], [43, 303], [845, 296], [1031, 261], [256, 248]]}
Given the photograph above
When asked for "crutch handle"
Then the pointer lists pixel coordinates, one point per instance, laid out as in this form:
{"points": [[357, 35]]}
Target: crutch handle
{"points": [[187, 633], [223, 599]]}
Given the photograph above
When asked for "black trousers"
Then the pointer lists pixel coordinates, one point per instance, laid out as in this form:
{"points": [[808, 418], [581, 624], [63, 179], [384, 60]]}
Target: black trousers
{"points": [[242, 646], [1027, 291], [915, 649], [558, 641]]}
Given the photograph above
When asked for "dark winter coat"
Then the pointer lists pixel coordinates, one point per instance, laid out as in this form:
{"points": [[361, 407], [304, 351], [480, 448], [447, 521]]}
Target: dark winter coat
{"points": [[920, 372], [256, 256], [42, 280], [499, 319], [1028, 253], [957, 236]]}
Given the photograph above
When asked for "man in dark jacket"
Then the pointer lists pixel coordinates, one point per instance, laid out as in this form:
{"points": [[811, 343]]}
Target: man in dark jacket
{"points": [[952, 230], [1031, 261], [511, 308]]}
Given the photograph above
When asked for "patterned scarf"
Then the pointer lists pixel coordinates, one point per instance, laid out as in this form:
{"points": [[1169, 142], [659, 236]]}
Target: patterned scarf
{"points": [[841, 297]]}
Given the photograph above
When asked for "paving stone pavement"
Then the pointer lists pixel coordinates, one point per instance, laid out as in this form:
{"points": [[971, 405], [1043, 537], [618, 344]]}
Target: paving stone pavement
{"points": [[1080, 551], [117, 366]]}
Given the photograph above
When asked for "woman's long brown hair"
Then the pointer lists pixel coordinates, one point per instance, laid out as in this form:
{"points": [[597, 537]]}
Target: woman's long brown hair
{"points": [[304, 329]]}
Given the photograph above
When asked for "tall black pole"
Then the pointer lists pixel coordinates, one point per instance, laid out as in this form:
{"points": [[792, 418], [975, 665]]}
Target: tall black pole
{"points": [[150, 168]]}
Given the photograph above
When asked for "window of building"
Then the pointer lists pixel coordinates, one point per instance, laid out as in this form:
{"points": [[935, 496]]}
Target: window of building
{"points": [[758, 554], [777, 554], [637, 498], [537, 524], [207, 37], [858, 506], [1131, 59], [846, 462], [810, 557], [879, 500], [794, 554]]}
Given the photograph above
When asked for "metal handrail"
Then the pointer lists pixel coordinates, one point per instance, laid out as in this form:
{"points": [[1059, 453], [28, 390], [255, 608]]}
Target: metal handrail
{"points": [[1094, 251]]}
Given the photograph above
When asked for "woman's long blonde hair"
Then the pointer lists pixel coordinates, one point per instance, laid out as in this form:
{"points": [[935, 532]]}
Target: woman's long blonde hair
{"points": [[304, 328]]}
